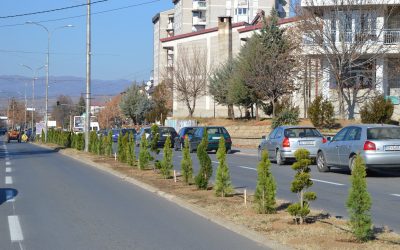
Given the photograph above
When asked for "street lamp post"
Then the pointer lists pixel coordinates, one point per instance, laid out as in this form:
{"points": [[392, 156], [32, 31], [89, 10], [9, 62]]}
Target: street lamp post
{"points": [[49, 33], [34, 72]]}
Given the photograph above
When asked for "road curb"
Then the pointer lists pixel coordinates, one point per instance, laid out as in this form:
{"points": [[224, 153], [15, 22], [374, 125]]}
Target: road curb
{"points": [[241, 230]]}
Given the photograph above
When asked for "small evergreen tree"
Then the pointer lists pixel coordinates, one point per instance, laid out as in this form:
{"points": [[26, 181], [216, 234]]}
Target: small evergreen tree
{"points": [[109, 143], [223, 186], [321, 113], [205, 172], [130, 150], [286, 117], [166, 163], [121, 150], [100, 148], [144, 154], [359, 202], [186, 163], [266, 186], [302, 181], [124, 151], [155, 136], [377, 110]]}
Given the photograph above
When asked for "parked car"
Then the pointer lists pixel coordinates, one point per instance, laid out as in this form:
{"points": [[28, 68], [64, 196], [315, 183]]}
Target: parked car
{"points": [[185, 132], [3, 131], [214, 134], [283, 141], [122, 131], [378, 145], [164, 133], [13, 134]]}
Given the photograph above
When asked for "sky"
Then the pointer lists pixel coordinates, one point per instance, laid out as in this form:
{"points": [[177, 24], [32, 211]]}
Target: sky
{"points": [[122, 40]]}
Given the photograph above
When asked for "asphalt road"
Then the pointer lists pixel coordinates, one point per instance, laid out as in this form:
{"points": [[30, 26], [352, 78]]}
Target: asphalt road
{"points": [[49, 201], [331, 188]]}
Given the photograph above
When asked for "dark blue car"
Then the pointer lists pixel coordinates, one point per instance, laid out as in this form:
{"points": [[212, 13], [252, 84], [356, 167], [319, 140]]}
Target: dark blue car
{"points": [[185, 132], [123, 131]]}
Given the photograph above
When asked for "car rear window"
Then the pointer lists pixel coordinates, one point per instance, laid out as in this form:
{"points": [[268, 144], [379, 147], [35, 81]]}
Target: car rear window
{"points": [[166, 130], [383, 133], [302, 132]]}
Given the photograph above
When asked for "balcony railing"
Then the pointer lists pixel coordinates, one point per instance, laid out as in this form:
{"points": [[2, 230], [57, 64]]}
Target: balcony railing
{"points": [[199, 21], [199, 5], [391, 36]]}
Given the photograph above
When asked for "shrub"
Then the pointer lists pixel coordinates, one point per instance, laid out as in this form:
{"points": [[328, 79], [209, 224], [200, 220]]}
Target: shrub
{"points": [[205, 172], [266, 186], [286, 117], [109, 143], [144, 155], [166, 163], [378, 110], [321, 113], [359, 202], [186, 163], [302, 181], [80, 142], [130, 150], [120, 150], [42, 136], [100, 145], [223, 186], [155, 135]]}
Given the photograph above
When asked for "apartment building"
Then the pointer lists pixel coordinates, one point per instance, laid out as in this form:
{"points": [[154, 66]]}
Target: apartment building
{"points": [[189, 16], [370, 30]]}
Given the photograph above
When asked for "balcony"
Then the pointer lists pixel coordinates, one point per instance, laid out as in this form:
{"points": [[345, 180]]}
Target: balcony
{"points": [[170, 26], [199, 5], [199, 20], [391, 36]]}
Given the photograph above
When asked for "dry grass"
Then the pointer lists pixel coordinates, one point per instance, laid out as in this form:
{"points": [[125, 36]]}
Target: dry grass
{"points": [[323, 232]]}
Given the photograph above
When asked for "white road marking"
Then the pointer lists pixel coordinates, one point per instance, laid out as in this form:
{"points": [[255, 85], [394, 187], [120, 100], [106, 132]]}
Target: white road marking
{"points": [[8, 170], [328, 182], [15, 228], [8, 163], [9, 180], [398, 195], [10, 196], [217, 162], [247, 168]]}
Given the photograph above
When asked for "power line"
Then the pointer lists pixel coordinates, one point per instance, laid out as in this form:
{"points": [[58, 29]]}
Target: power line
{"points": [[84, 15], [52, 10], [54, 53]]}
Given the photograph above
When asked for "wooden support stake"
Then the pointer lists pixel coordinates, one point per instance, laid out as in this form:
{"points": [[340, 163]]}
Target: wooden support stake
{"points": [[115, 156], [174, 175], [245, 197]]}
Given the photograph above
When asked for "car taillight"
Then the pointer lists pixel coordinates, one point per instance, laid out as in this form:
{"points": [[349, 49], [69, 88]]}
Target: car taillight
{"points": [[369, 146], [228, 140], [186, 137], [324, 140], [286, 143]]}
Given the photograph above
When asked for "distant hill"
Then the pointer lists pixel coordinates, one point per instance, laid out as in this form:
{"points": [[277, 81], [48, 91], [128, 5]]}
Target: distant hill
{"points": [[66, 85]]}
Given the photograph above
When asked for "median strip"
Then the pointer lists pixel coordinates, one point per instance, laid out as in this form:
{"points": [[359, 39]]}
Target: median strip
{"points": [[328, 182], [15, 228]]}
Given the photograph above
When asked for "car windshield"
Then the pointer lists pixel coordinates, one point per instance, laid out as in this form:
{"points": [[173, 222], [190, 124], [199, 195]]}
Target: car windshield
{"points": [[383, 133], [302, 132], [166, 130]]}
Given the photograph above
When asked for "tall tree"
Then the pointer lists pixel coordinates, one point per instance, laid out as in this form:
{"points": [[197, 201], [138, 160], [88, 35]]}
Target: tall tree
{"points": [[189, 76], [111, 116], [81, 106], [63, 111], [135, 103], [162, 103], [268, 62]]}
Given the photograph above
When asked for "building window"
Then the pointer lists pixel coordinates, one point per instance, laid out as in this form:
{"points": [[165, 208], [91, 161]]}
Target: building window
{"points": [[241, 11]]}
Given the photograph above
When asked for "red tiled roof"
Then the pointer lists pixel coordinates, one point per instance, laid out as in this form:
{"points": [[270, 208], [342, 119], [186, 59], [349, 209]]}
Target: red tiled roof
{"points": [[259, 25], [200, 32]]}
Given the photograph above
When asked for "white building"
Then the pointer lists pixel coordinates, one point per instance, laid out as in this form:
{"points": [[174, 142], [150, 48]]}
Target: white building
{"points": [[372, 24]]}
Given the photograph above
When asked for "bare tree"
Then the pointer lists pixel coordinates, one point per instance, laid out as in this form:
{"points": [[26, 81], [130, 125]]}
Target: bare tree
{"points": [[349, 38], [189, 76]]}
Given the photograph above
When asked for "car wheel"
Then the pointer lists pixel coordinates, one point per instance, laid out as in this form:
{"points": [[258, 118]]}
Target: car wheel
{"points": [[351, 163], [279, 159], [321, 163]]}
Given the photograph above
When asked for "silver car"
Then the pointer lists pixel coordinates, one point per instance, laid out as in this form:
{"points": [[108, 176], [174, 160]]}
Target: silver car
{"points": [[378, 145], [283, 141]]}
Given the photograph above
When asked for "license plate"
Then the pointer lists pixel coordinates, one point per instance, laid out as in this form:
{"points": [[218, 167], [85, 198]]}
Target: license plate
{"points": [[165, 135], [392, 148], [216, 138], [308, 143]]}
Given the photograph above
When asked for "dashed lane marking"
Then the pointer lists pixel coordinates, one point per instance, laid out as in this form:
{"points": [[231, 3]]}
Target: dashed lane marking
{"points": [[217, 162], [328, 182], [8, 163], [8, 170], [9, 180], [397, 195], [247, 168], [15, 228]]}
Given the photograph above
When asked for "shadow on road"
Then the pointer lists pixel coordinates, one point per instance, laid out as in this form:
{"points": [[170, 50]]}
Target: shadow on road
{"points": [[371, 173], [7, 194], [33, 152]]}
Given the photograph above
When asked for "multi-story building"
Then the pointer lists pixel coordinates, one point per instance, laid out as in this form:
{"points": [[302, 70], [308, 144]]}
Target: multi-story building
{"points": [[364, 36], [195, 15]]}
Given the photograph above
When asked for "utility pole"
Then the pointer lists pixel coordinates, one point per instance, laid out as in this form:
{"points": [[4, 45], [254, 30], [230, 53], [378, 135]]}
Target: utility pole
{"points": [[88, 69], [26, 106]]}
